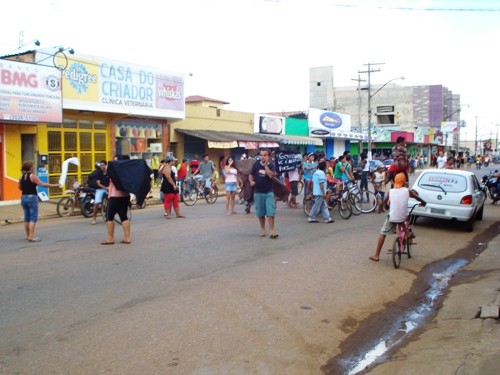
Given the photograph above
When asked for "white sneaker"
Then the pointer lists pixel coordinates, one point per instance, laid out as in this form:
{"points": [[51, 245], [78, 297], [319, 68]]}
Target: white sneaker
{"points": [[329, 221]]}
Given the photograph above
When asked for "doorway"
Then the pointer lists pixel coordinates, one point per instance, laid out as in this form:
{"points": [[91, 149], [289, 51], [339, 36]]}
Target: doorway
{"points": [[28, 148]]}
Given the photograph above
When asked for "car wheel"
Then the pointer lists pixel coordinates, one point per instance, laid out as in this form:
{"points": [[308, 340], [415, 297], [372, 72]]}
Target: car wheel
{"points": [[479, 215], [469, 224]]}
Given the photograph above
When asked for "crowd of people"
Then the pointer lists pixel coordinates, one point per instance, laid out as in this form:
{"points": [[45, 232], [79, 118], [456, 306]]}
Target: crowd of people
{"points": [[257, 181]]}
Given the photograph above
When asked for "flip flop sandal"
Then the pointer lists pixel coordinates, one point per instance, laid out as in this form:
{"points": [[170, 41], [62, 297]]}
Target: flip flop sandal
{"points": [[36, 239], [273, 236], [107, 243]]}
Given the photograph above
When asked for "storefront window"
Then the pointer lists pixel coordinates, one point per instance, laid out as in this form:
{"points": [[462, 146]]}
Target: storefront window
{"points": [[85, 139]]}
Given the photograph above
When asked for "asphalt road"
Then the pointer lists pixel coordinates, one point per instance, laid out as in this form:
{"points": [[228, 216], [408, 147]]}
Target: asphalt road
{"points": [[201, 295]]}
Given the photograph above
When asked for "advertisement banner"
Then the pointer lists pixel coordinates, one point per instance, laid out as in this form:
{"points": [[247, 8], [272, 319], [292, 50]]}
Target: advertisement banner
{"points": [[286, 160], [104, 85], [30, 93], [269, 124], [449, 126], [323, 123]]}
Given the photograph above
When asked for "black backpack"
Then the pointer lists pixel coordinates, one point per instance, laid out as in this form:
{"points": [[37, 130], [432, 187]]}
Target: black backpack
{"points": [[92, 179]]}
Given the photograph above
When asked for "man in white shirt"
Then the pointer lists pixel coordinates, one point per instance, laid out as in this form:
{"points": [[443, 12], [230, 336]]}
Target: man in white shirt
{"points": [[441, 160]]}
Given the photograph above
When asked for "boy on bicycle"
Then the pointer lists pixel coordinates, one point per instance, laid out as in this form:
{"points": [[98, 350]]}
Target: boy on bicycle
{"points": [[396, 200]]}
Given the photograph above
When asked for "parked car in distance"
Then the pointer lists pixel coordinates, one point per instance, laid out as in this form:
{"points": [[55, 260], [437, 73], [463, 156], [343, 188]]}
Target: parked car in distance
{"points": [[450, 194], [387, 163], [374, 165]]}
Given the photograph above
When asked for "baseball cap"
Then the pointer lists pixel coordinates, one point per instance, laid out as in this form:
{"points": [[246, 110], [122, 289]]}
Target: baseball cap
{"points": [[399, 180], [170, 158]]}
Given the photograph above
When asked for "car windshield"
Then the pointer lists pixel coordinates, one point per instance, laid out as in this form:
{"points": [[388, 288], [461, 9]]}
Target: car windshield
{"points": [[449, 183]]}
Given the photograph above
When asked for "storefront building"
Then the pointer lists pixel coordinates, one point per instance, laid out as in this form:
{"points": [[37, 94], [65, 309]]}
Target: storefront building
{"points": [[108, 108]]}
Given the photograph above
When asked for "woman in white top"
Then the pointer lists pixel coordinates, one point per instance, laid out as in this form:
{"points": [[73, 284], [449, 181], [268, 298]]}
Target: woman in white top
{"points": [[232, 181]]}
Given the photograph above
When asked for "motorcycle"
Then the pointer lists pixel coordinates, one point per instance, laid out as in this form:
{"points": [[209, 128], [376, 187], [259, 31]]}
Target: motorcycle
{"points": [[87, 198], [490, 182]]}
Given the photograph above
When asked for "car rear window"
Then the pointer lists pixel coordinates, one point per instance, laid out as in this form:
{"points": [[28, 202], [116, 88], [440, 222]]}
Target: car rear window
{"points": [[450, 183]]}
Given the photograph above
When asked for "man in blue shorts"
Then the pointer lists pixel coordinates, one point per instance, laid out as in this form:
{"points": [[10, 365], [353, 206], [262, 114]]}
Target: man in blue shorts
{"points": [[261, 178]]}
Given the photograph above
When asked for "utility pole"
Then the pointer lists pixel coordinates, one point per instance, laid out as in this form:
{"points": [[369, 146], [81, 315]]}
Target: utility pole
{"points": [[475, 142], [359, 80], [360, 126], [370, 71]]}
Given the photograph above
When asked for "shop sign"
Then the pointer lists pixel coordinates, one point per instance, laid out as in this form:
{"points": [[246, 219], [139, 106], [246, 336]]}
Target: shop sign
{"points": [[322, 123], [449, 126], [30, 93], [103, 85], [269, 124]]}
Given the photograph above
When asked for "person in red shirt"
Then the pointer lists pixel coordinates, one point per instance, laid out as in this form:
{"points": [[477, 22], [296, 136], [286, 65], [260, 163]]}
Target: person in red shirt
{"points": [[195, 163], [182, 170]]}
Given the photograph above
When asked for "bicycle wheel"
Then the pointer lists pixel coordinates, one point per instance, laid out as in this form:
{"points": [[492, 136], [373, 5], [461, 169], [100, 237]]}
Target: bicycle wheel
{"points": [[355, 202], [65, 206], [307, 205], [368, 201], [189, 194], [215, 191], [345, 208], [396, 252], [300, 186], [129, 215]]}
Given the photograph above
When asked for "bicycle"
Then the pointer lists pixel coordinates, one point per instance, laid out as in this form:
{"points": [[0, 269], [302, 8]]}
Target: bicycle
{"points": [[367, 200], [402, 241], [81, 197], [344, 206], [193, 189]]}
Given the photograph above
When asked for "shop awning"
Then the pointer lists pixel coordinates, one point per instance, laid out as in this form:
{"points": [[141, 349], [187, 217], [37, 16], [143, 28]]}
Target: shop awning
{"points": [[223, 139], [295, 139]]}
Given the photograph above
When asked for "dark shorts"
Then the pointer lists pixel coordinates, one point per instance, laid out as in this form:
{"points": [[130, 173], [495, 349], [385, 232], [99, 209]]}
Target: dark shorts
{"points": [[295, 187], [117, 205]]}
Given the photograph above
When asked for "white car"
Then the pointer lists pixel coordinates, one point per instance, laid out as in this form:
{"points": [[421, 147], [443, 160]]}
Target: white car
{"points": [[450, 195]]}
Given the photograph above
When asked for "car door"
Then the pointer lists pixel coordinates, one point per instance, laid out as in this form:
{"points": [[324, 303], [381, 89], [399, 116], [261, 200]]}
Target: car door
{"points": [[478, 193]]}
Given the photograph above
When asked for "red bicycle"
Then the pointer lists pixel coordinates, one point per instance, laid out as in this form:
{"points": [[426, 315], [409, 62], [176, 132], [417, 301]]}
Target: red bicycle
{"points": [[403, 242]]}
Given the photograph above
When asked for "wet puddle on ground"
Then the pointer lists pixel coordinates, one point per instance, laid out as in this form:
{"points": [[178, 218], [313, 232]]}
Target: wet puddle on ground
{"points": [[385, 330]]}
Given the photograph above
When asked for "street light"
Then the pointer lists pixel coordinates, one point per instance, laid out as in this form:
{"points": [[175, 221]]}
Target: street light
{"points": [[370, 96]]}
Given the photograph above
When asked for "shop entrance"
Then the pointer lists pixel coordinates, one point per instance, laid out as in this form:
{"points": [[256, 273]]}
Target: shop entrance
{"points": [[28, 148]]}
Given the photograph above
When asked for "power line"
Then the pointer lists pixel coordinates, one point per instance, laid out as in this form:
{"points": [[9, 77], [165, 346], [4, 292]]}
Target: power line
{"points": [[474, 7]]}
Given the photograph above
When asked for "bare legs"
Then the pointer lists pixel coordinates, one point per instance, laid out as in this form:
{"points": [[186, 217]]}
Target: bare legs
{"points": [[110, 225], [380, 243], [29, 227], [230, 201], [262, 222]]}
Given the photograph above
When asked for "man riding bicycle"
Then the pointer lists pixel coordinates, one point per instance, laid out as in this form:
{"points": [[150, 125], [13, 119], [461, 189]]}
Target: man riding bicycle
{"points": [[205, 172]]}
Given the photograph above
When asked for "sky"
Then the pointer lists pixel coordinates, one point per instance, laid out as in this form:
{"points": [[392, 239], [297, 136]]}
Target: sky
{"points": [[256, 54]]}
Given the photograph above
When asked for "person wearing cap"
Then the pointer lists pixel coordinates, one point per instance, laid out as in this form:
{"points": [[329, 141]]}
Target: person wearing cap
{"points": [[169, 188], [397, 201]]}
